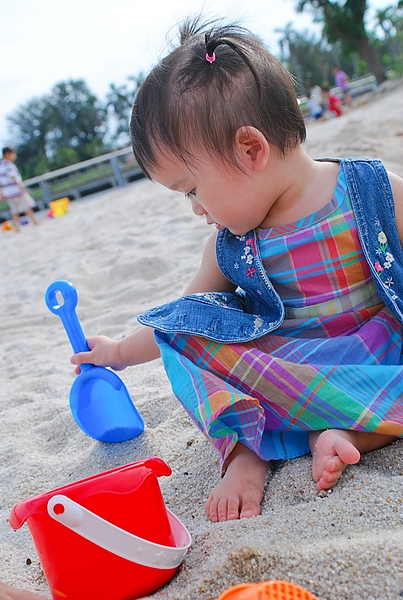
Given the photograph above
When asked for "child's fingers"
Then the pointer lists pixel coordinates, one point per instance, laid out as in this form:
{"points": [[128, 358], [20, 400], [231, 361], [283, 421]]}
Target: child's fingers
{"points": [[80, 358]]}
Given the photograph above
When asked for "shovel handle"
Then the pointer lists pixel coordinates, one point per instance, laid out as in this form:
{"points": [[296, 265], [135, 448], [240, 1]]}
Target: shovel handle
{"points": [[61, 298]]}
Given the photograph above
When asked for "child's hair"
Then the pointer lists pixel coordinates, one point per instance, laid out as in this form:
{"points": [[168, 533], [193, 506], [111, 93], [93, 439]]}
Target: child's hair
{"points": [[189, 103]]}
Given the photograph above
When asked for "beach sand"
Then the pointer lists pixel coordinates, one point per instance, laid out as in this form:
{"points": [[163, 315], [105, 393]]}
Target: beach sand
{"points": [[132, 248]]}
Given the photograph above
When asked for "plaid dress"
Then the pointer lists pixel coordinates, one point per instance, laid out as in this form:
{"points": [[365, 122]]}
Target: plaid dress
{"points": [[335, 361]]}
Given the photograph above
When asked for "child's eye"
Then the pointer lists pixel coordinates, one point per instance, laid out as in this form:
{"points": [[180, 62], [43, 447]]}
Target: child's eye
{"points": [[191, 193]]}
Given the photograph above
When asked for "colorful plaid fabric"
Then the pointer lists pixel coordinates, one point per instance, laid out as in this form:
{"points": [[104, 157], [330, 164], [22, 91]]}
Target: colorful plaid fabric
{"points": [[335, 362]]}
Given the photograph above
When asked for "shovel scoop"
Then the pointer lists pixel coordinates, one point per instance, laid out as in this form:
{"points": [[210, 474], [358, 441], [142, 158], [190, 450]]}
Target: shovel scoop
{"points": [[99, 400]]}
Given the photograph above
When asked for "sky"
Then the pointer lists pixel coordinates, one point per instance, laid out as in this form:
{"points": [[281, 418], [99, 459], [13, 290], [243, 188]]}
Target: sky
{"points": [[43, 42]]}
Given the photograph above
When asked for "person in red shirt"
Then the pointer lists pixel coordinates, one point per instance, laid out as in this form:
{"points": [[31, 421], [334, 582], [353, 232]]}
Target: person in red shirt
{"points": [[335, 105]]}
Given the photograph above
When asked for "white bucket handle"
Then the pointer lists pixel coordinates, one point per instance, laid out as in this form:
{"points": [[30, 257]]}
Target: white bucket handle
{"points": [[117, 540]]}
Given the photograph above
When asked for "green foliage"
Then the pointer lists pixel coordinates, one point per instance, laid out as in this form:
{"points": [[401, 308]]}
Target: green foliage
{"points": [[30, 124], [390, 46], [307, 58], [77, 118], [119, 101], [65, 126], [344, 22], [70, 125], [64, 157]]}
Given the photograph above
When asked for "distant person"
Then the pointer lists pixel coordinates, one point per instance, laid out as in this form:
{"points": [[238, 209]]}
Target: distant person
{"points": [[315, 108], [334, 104], [316, 101], [12, 190], [342, 81], [315, 92]]}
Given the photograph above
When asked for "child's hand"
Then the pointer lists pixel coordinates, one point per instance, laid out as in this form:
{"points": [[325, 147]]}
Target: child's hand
{"points": [[104, 352]]}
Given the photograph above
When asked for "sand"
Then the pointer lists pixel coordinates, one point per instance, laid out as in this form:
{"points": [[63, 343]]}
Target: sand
{"points": [[126, 250]]}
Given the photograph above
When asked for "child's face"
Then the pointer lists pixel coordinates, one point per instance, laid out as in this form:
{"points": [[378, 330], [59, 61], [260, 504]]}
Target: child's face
{"points": [[224, 195], [10, 156]]}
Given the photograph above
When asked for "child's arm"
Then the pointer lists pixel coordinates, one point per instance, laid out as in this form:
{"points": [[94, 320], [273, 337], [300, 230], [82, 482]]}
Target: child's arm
{"points": [[209, 277], [20, 184], [140, 347], [397, 188]]}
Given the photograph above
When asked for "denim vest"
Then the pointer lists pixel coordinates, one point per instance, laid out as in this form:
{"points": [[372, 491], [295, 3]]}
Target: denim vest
{"points": [[256, 309]]}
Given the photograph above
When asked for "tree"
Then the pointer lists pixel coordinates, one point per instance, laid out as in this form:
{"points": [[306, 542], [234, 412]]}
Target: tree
{"points": [[119, 102], [30, 125], [344, 21], [78, 120], [308, 58], [390, 23], [63, 127]]}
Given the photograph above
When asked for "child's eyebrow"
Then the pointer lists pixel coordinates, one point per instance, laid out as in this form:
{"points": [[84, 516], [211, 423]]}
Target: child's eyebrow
{"points": [[178, 185]]}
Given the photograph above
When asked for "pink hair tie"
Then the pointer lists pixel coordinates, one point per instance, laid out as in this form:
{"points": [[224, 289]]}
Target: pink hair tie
{"points": [[211, 58]]}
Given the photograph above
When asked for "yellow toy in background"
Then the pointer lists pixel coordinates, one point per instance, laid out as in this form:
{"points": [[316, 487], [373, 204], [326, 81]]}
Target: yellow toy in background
{"points": [[59, 207], [267, 590]]}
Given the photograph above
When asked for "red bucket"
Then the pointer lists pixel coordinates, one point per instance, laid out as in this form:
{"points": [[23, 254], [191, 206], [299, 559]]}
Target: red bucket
{"points": [[107, 537]]}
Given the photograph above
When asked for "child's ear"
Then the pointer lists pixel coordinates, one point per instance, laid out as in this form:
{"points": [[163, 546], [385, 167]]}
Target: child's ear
{"points": [[253, 150]]}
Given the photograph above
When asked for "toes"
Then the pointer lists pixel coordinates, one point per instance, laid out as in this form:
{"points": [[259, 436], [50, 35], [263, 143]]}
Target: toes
{"points": [[328, 480], [211, 509], [229, 509], [249, 509], [222, 509], [334, 465], [232, 509], [347, 452]]}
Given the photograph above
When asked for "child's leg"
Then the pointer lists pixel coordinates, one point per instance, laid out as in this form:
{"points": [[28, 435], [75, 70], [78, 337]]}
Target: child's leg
{"points": [[334, 449], [16, 221], [240, 492], [30, 213]]}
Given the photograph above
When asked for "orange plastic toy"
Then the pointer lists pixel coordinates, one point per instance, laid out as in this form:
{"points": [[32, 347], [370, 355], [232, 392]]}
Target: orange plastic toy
{"points": [[6, 226], [267, 590]]}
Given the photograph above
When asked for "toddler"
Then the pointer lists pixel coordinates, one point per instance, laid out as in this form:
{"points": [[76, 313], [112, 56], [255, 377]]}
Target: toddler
{"points": [[289, 338]]}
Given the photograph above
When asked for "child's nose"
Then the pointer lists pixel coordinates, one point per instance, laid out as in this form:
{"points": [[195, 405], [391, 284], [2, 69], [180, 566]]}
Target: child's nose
{"points": [[197, 208]]}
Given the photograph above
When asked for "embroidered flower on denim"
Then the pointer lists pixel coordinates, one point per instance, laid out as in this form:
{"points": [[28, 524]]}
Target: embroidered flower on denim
{"points": [[249, 251], [382, 239], [217, 298], [389, 258], [252, 243], [386, 258], [247, 255], [250, 272]]}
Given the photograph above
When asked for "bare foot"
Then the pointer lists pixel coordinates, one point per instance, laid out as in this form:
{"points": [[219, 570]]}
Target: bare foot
{"points": [[240, 491], [332, 450]]}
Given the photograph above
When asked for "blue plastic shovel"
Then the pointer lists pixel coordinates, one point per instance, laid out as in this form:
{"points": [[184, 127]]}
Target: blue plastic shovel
{"points": [[99, 400]]}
